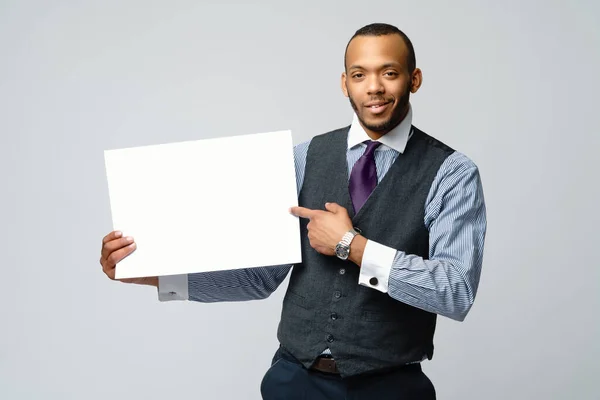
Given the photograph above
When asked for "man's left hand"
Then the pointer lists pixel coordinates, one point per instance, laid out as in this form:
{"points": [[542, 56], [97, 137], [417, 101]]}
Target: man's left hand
{"points": [[325, 228]]}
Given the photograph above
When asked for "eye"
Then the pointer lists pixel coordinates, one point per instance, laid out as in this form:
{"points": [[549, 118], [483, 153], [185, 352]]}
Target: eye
{"points": [[391, 73], [358, 75]]}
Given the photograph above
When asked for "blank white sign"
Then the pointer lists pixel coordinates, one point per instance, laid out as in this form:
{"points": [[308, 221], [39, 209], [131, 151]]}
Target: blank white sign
{"points": [[205, 205]]}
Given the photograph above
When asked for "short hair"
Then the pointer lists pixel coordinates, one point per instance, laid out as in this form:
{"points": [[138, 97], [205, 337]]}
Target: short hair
{"points": [[380, 29]]}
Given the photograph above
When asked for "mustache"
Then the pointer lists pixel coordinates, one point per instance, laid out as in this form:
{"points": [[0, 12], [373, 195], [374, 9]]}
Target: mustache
{"points": [[380, 98]]}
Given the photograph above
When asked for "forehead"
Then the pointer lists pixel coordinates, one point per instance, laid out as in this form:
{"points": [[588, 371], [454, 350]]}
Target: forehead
{"points": [[376, 50]]}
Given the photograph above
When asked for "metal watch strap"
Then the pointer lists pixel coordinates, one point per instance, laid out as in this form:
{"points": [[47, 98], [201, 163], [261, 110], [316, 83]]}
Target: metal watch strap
{"points": [[348, 237]]}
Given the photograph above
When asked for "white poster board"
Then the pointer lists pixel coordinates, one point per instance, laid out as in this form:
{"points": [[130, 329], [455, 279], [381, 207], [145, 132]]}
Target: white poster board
{"points": [[205, 205]]}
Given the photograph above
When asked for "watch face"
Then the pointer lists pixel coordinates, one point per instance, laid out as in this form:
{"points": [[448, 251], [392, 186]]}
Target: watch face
{"points": [[342, 252]]}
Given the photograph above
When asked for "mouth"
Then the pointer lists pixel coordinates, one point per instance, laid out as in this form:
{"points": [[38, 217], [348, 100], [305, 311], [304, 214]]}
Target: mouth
{"points": [[377, 107]]}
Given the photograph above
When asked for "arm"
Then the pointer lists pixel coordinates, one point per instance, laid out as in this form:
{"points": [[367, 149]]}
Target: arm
{"points": [[455, 216], [233, 285]]}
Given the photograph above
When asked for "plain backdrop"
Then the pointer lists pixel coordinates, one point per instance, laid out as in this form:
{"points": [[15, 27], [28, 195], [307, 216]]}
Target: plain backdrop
{"points": [[512, 84]]}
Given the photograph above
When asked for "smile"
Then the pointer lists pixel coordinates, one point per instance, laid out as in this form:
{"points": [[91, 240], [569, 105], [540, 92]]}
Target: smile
{"points": [[378, 108]]}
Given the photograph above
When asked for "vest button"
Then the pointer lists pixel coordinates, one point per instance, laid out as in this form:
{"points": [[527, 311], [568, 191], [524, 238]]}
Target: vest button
{"points": [[337, 294], [342, 271], [333, 316], [329, 338]]}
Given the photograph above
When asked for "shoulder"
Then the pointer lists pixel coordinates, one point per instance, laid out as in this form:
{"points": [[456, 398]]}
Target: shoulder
{"points": [[457, 163], [321, 139], [454, 162], [336, 135], [432, 144], [302, 147]]}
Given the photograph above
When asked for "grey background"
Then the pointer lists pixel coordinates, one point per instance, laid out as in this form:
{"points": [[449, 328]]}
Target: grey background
{"points": [[512, 84]]}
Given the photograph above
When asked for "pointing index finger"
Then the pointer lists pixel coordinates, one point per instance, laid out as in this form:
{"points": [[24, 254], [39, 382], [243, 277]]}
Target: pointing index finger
{"points": [[303, 212]]}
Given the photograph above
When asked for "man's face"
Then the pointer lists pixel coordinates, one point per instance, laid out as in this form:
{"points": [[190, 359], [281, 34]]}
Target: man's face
{"points": [[378, 83]]}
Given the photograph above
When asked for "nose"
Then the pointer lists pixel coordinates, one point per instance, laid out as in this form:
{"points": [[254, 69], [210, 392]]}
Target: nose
{"points": [[374, 85]]}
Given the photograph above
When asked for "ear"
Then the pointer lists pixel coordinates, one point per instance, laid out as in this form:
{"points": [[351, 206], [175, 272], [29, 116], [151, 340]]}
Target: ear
{"points": [[344, 88], [416, 81]]}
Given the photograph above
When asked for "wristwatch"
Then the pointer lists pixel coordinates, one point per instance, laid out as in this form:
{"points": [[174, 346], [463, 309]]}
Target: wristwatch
{"points": [[342, 249]]}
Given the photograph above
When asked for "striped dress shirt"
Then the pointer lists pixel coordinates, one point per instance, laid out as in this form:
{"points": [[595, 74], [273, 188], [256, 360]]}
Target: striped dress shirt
{"points": [[445, 284]]}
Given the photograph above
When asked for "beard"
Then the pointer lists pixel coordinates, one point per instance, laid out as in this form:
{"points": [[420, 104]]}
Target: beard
{"points": [[398, 113]]}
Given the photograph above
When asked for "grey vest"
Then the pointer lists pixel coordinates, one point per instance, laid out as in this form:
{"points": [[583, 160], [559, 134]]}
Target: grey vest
{"points": [[324, 306]]}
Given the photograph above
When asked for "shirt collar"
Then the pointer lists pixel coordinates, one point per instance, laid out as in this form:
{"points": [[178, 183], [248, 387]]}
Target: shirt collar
{"points": [[396, 139]]}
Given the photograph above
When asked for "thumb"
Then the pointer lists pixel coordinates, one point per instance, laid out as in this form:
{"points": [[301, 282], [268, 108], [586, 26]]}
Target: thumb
{"points": [[333, 207]]}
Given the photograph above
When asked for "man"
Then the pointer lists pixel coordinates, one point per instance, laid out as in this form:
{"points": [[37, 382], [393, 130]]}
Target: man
{"points": [[393, 226]]}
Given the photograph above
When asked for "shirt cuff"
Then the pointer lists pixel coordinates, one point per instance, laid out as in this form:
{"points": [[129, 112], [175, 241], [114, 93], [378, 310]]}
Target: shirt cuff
{"points": [[173, 287], [376, 266]]}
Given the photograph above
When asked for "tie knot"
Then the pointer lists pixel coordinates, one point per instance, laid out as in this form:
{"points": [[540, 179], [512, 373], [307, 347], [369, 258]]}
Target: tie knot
{"points": [[371, 146]]}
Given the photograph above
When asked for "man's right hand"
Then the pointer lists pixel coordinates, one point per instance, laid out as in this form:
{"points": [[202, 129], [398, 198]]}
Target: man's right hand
{"points": [[115, 247]]}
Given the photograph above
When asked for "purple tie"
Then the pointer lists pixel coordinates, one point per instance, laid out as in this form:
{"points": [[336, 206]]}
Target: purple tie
{"points": [[363, 178]]}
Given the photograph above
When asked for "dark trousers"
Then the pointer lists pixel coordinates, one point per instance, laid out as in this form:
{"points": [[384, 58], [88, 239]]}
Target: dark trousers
{"points": [[288, 379]]}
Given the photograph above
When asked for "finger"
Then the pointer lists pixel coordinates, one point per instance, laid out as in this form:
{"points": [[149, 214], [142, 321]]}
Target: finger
{"points": [[303, 212], [334, 207], [109, 271], [114, 258], [112, 236], [115, 245]]}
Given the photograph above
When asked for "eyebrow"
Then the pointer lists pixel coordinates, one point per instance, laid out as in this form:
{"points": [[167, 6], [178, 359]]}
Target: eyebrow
{"points": [[386, 65]]}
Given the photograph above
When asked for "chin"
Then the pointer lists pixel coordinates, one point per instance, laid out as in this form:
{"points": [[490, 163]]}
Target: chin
{"points": [[378, 124]]}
